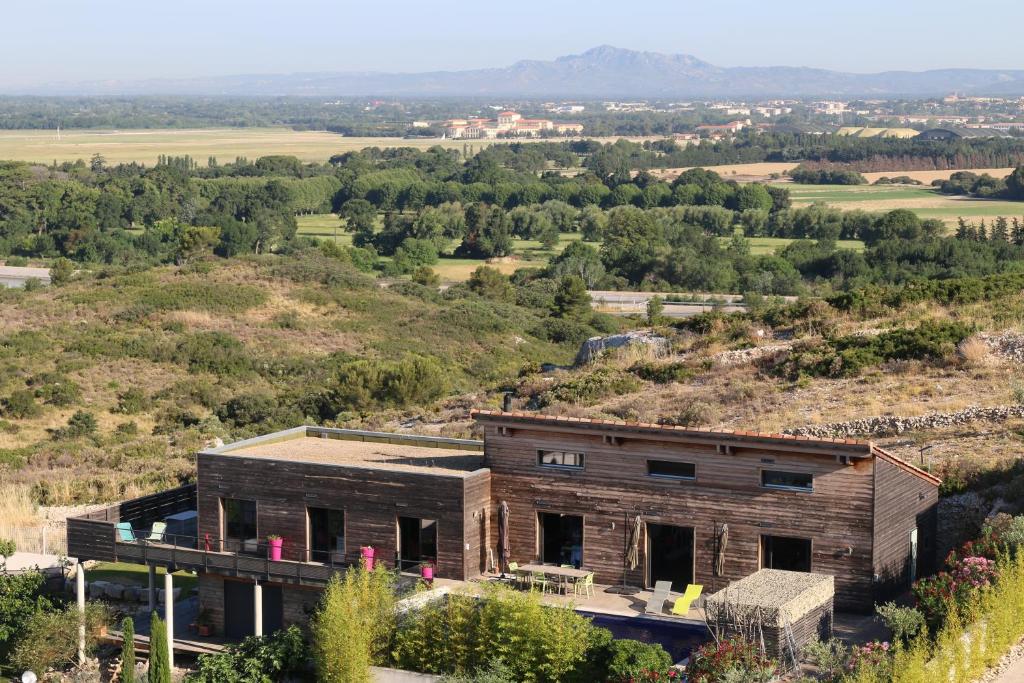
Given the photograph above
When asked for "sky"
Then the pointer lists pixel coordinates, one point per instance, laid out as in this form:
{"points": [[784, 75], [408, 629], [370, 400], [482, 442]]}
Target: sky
{"points": [[49, 41]]}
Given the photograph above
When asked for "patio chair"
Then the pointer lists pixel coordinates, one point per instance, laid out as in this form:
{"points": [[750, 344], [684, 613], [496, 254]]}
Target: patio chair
{"points": [[656, 603], [584, 585], [682, 604], [539, 579], [125, 533], [156, 534], [517, 579]]}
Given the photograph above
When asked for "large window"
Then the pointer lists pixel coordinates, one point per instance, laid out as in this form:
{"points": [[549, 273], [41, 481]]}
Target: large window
{"points": [[671, 470], [784, 552], [240, 535], [561, 539], [417, 542], [565, 459], [792, 481], [326, 535]]}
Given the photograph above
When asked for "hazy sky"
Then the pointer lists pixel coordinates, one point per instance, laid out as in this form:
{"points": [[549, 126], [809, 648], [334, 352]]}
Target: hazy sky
{"points": [[75, 40]]}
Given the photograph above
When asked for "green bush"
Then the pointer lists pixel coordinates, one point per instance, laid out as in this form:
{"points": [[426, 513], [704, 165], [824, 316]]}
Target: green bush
{"points": [[128, 650], [56, 389], [905, 623], [159, 662], [368, 384], [590, 387], [632, 660], [7, 547], [50, 638], [21, 404], [131, 402], [353, 625], [215, 352], [265, 659], [200, 296], [82, 423], [663, 373], [711, 663]]}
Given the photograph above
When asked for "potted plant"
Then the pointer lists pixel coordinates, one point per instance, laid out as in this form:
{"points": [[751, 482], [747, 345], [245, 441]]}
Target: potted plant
{"points": [[427, 571], [204, 623], [275, 543]]}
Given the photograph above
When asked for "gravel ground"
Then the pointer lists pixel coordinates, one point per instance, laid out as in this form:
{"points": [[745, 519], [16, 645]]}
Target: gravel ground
{"points": [[1010, 668]]}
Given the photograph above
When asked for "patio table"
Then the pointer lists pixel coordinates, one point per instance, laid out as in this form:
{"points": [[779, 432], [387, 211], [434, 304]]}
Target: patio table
{"points": [[564, 575]]}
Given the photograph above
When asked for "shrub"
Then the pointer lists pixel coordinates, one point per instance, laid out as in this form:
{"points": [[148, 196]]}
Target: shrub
{"points": [[632, 660], [56, 389], [21, 596], [159, 663], [247, 409], [215, 352], [21, 404], [563, 331], [264, 659], [830, 657], [590, 387], [353, 624], [128, 650], [367, 384], [131, 402], [905, 623], [662, 373], [50, 638], [7, 547], [873, 656], [711, 662], [82, 423]]}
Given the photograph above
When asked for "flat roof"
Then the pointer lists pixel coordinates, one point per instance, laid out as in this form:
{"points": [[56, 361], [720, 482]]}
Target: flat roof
{"points": [[366, 450]]}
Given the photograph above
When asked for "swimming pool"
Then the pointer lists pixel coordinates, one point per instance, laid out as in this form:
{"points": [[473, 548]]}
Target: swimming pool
{"points": [[677, 637]]}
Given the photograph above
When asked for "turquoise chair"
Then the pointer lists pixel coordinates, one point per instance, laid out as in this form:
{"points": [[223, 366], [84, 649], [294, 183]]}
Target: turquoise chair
{"points": [[125, 533]]}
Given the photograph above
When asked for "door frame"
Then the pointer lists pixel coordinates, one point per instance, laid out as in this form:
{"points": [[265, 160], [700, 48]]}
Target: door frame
{"points": [[648, 565], [539, 540]]}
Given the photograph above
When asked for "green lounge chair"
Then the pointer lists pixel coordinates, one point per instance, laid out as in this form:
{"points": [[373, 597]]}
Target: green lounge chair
{"points": [[539, 579], [125, 533], [517, 576], [682, 604], [156, 535]]}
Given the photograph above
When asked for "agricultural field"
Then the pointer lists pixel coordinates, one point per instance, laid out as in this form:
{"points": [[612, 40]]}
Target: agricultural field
{"points": [[923, 201], [144, 146]]}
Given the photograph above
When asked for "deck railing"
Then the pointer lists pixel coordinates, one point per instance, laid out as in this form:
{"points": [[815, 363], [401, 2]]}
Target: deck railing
{"points": [[94, 536]]}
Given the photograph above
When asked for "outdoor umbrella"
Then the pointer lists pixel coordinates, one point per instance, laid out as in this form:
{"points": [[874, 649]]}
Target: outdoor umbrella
{"points": [[633, 556], [503, 549], [723, 541]]}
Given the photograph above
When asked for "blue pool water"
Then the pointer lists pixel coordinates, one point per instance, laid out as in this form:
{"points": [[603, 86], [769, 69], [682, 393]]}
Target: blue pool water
{"points": [[678, 638]]}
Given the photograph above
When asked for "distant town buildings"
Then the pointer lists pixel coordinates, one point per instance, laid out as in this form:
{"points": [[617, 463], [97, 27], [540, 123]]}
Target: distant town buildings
{"points": [[507, 124]]}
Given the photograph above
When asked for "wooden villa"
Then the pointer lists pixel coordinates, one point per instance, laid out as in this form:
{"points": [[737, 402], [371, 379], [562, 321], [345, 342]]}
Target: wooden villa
{"points": [[279, 514]]}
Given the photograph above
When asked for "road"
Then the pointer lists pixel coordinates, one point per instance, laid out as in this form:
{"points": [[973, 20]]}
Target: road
{"points": [[626, 303]]}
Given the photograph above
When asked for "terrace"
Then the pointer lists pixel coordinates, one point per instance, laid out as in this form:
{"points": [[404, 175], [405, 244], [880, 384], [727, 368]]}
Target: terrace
{"points": [[96, 536]]}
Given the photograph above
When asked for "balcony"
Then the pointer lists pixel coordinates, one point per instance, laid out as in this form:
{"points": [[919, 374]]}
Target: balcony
{"points": [[95, 536]]}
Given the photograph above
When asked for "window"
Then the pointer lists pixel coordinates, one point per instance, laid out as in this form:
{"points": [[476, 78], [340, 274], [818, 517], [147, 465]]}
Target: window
{"points": [[560, 459], [793, 481], [240, 525], [671, 470], [326, 535], [561, 538], [783, 552]]}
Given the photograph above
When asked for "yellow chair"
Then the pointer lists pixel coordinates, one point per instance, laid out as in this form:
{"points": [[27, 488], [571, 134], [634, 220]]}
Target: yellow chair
{"points": [[682, 604]]}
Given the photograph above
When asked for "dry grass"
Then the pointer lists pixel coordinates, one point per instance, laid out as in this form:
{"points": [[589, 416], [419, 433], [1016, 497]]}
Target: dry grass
{"points": [[974, 352]]}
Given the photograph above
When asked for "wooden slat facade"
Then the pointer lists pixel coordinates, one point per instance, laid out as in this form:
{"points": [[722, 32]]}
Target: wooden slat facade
{"points": [[372, 501], [838, 516], [903, 504]]}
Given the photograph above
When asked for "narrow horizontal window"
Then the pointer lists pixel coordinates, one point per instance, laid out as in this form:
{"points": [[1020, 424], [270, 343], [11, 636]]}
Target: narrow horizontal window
{"points": [[795, 481], [566, 459], [672, 470]]}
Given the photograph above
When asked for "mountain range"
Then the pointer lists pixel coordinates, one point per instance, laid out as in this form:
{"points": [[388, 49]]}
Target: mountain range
{"points": [[601, 72]]}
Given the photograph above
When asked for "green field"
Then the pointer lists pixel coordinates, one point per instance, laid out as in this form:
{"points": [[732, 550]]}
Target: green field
{"points": [[924, 201], [138, 575]]}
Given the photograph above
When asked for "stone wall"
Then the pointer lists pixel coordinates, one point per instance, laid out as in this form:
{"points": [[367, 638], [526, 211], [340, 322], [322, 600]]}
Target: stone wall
{"points": [[895, 424]]}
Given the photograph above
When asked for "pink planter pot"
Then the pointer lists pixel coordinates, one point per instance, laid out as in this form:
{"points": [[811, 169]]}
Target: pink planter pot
{"points": [[428, 573], [367, 554], [275, 548]]}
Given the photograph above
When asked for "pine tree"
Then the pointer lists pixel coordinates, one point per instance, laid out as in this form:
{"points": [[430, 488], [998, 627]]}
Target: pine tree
{"points": [[1000, 232], [128, 651], [159, 663], [1018, 231], [962, 229], [982, 231]]}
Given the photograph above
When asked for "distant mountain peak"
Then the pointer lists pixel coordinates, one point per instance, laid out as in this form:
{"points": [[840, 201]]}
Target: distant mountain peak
{"points": [[603, 71]]}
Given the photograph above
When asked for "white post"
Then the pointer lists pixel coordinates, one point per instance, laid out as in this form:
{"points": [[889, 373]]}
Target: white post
{"points": [[257, 604], [169, 613], [80, 591], [152, 588]]}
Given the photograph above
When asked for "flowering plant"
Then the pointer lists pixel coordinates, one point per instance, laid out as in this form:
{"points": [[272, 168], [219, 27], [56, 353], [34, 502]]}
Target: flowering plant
{"points": [[709, 662], [870, 654], [965, 577]]}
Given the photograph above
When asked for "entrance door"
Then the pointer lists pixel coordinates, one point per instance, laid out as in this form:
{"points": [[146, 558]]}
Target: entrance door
{"points": [[561, 539], [240, 609], [784, 552], [239, 526], [670, 555], [326, 535], [239, 617], [417, 542]]}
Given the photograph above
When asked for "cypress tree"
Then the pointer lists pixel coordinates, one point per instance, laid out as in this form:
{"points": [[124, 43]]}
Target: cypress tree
{"points": [[1018, 231], [159, 665], [1000, 233], [128, 651]]}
